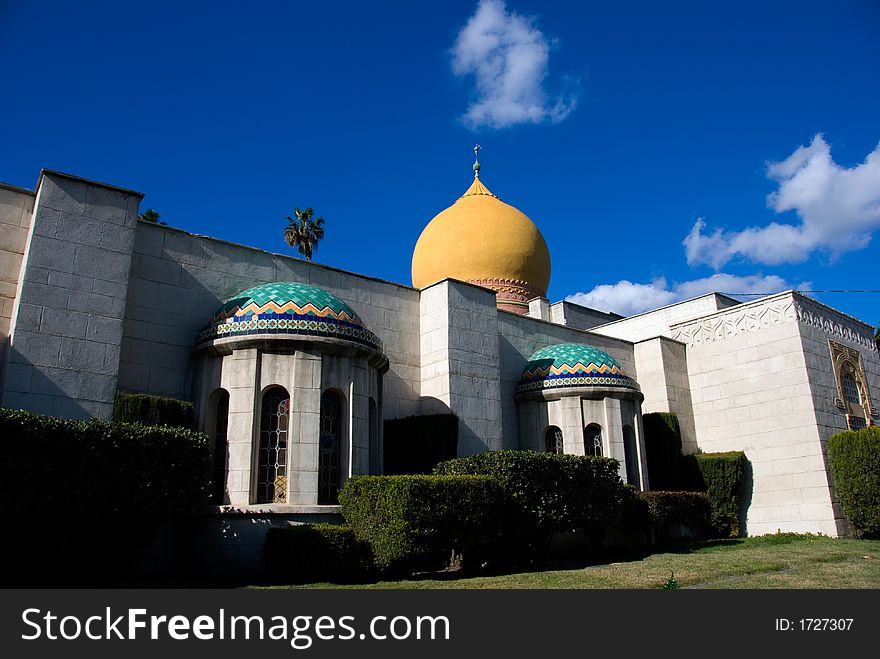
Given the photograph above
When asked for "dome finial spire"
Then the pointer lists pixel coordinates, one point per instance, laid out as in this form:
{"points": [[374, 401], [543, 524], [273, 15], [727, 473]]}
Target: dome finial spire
{"points": [[477, 148]]}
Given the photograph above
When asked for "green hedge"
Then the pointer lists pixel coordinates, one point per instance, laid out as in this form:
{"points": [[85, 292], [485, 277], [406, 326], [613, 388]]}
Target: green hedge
{"points": [[666, 509], [550, 493], [321, 552], [152, 410], [854, 456], [722, 477], [416, 444], [663, 450], [83, 495], [418, 521]]}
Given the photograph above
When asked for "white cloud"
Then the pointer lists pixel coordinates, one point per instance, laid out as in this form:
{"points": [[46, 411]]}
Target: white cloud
{"points": [[627, 298], [838, 208], [509, 58]]}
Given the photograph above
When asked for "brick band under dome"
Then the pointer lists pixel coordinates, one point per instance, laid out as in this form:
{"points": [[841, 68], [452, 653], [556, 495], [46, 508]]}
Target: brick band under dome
{"points": [[288, 308], [572, 365]]}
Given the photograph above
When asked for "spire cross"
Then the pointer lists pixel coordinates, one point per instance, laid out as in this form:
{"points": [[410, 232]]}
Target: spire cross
{"points": [[477, 161]]}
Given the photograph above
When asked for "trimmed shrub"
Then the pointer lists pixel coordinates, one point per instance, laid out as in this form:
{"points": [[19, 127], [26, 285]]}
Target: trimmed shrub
{"points": [[854, 456], [152, 410], [550, 493], [722, 477], [667, 509], [416, 444], [308, 553], [419, 521], [663, 450], [91, 492]]}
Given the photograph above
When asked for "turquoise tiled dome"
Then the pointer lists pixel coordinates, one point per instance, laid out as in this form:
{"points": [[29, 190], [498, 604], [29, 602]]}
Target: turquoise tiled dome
{"points": [[288, 308], [572, 365]]}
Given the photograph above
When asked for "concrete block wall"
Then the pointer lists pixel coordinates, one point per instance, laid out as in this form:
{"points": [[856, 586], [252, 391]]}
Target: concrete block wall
{"points": [[520, 336], [16, 211], [67, 328], [178, 281], [751, 392], [663, 376]]}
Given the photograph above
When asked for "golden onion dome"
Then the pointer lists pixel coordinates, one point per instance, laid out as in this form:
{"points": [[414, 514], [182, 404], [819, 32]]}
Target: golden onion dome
{"points": [[482, 240]]}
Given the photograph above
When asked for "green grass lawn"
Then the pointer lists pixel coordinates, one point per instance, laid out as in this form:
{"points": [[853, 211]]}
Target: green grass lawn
{"points": [[783, 561]]}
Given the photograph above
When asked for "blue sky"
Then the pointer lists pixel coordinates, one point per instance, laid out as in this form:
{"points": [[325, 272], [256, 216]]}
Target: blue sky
{"points": [[656, 145]]}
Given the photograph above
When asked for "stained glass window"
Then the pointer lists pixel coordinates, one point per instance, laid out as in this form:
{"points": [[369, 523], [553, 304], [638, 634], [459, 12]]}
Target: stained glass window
{"points": [[221, 422], [593, 440], [272, 462], [329, 449], [851, 389], [553, 441]]}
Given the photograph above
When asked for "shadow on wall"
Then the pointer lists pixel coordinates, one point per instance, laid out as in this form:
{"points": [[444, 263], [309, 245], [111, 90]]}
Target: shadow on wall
{"points": [[748, 486], [431, 405], [513, 363], [166, 308], [56, 391]]}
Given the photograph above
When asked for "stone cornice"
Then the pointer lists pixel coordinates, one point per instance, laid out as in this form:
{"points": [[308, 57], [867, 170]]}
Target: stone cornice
{"points": [[834, 323], [769, 312], [736, 321]]}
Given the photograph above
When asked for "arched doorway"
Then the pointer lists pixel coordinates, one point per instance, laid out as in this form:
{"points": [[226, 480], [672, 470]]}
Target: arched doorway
{"points": [[219, 424], [272, 457], [593, 440], [553, 441], [329, 449], [631, 456]]}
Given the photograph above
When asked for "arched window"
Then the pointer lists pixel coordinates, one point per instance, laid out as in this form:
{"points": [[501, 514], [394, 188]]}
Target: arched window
{"points": [[553, 441], [272, 460], [329, 449], [220, 407], [631, 455], [851, 389], [593, 440]]}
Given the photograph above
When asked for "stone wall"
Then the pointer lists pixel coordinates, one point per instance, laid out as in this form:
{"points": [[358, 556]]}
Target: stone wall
{"points": [[751, 392], [657, 322], [178, 280], [584, 318], [819, 325], [663, 377], [460, 357], [64, 342], [16, 210]]}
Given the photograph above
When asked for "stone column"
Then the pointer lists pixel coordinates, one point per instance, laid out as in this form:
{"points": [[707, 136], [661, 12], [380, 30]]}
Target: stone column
{"points": [[572, 425], [305, 428], [612, 434], [240, 377], [359, 436]]}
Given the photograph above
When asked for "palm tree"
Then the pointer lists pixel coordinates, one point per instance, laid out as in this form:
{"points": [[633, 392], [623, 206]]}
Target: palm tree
{"points": [[149, 215], [304, 232]]}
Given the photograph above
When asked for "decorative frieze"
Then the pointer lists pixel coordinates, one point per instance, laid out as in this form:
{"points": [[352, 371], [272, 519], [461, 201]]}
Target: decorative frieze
{"points": [[736, 321], [834, 323], [770, 312]]}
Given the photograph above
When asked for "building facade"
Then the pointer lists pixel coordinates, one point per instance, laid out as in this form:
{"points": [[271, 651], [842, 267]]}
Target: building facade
{"points": [[292, 366]]}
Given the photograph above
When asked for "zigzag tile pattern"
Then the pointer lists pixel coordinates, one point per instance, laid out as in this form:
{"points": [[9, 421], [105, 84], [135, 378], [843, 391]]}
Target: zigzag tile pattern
{"points": [[288, 308], [572, 365]]}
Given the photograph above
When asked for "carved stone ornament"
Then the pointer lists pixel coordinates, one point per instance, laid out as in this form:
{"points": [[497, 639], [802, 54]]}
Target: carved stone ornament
{"points": [[847, 361]]}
